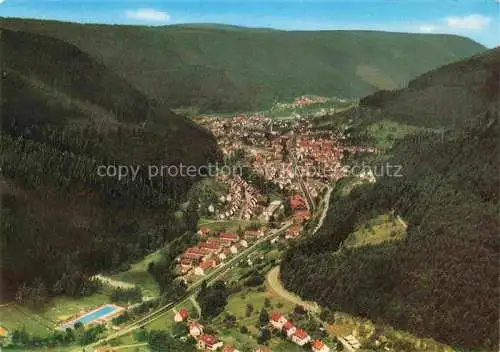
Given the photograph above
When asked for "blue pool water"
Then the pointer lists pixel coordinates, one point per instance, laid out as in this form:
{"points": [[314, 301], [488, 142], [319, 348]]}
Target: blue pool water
{"points": [[90, 317]]}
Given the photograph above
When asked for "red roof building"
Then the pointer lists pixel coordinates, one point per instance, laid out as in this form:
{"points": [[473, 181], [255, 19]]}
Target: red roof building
{"points": [[300, 215], [277, 320], [212, 246], [289, 328], [191, 256], [181, 315], [215, 240], [209, 342], [319, 346], [276, 316], [195, 329], [298, 203], [208, 264], [229, 237], [300, 337], [293, 231]]}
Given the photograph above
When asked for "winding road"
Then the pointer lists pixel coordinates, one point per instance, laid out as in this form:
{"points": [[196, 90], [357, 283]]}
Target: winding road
{"points": [[273, 280], [274, 283], [191, 290]]}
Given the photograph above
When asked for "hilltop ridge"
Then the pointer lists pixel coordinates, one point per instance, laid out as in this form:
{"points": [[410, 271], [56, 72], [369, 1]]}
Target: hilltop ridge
{"points": [[221, 68]]}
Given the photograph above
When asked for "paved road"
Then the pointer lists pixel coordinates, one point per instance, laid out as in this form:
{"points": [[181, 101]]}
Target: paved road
{"points": [[274, 283], [214, 275]]}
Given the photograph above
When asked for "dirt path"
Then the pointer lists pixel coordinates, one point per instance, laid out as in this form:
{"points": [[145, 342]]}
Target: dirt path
{"points": [[402, 222], [196, 305], [114, 283], [274, 283]]}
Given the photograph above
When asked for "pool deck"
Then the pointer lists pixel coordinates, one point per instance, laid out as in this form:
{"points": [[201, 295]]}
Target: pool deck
{"points": [[101, 319]]}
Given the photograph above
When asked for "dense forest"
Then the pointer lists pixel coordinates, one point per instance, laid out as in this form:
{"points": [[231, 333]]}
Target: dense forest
{"points": [[63, 115], [226, 68], [442, 279]]}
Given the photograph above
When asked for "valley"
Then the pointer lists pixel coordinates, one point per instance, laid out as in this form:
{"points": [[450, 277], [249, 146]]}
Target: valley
{"points": [[222, 188]]}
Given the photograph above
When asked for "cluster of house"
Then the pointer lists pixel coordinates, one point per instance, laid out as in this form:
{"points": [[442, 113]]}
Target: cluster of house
{"points": [[242, 198], [297, 335], [213, 250], [319, 157], [300, 213], [204, 342], [308, 100]]}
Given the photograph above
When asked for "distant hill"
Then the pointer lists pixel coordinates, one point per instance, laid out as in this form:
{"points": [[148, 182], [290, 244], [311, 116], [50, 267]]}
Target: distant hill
{"points": [[447, 98], [441, 281], [63, 114], [228, 68], [450, 96]]}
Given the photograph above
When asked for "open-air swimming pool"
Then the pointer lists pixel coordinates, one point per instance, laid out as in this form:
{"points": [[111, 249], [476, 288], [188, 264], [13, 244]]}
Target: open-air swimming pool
{"points": [[102, 312]]}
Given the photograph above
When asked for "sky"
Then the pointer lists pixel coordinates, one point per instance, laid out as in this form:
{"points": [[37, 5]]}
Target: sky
{"points": [[476, 19]]}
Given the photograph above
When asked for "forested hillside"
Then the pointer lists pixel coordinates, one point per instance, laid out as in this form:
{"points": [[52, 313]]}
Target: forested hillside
{"points": [[442, 279], [227, 68], [63, 114], [451, 96]]}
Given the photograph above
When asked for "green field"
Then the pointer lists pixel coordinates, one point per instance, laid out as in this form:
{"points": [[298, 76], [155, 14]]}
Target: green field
{"points": [[14, 316], [380, 229], [167, 320], [138, 275], [237, 304], [61, 307]]}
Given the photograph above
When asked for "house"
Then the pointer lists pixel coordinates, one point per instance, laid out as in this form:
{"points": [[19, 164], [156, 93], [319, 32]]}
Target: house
{"points": [[204, 266], [253, 234], [244, 243], [215, 240], [300, 337], [186, 265], [195, 329], [204, 231], [319, 346], [229, 237], [209, 342], [293, 232], [277, 320], [212, 247], [181, 315], [191, 256], [289, 329], [233, 249], [229, 348], [298, 203], [222, 255], [301, 215]]}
